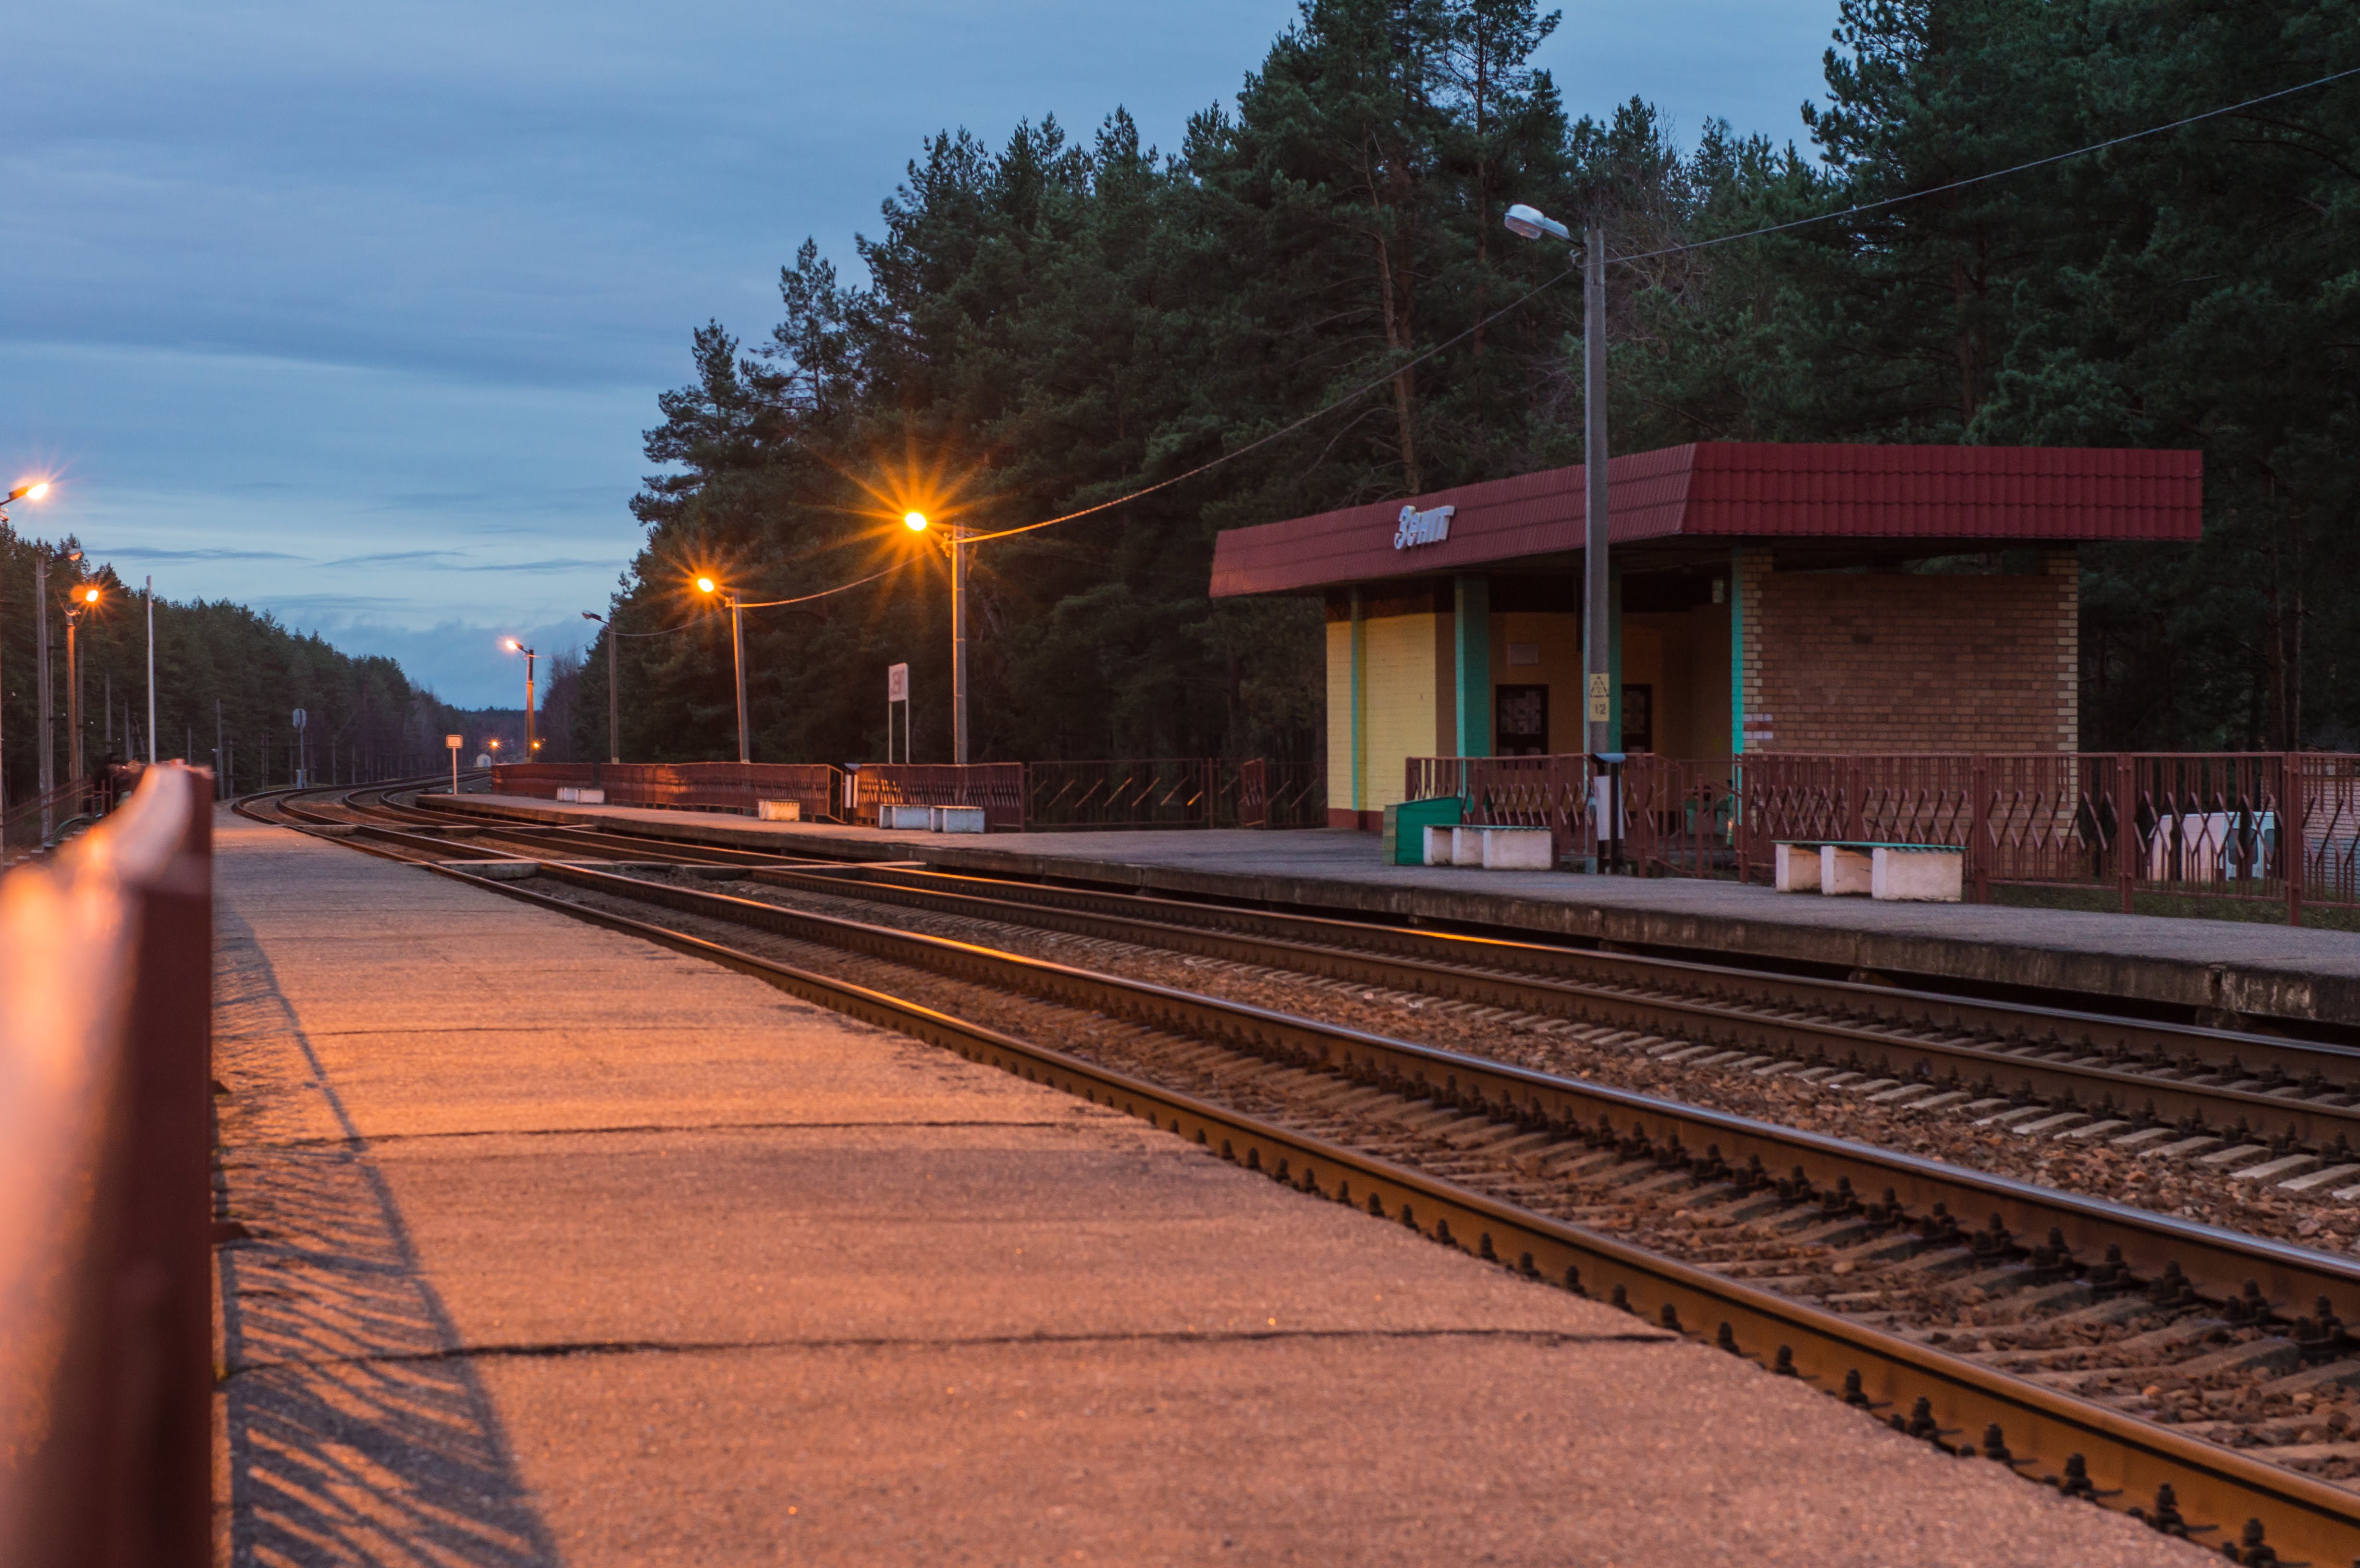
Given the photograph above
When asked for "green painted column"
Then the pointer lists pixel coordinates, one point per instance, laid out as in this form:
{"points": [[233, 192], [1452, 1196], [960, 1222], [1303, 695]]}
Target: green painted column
{"points": [[1737, 650], [1470, 624], [1359, 705]]}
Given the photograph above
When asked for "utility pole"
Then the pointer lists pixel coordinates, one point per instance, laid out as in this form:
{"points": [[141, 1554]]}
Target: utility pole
{"points": [[1596, 646], [47, 706], [151, 669], [614, 702], [958, 643]]}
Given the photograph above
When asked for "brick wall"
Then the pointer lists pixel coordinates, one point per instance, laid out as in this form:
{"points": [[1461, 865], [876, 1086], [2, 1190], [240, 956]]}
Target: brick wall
{"points": [[1892, 661]]}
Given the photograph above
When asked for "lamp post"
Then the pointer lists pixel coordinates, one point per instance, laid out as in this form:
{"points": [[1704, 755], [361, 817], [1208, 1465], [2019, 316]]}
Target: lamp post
{"points": [[31, 490], [1597, 652], [79, 603], [530, 746], [737, 655], [954, 541], [614, 702]]}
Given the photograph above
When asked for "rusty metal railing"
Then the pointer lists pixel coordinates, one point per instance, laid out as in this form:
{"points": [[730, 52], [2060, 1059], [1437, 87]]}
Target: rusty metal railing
{"points": [[2263, 828], [726, 786], [106, 1139]]}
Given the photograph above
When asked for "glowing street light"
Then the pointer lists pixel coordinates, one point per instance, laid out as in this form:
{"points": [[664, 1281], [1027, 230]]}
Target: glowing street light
{"points": [[737, 655], [531, 744], [953, 541], [79, 603], [31, 490]]}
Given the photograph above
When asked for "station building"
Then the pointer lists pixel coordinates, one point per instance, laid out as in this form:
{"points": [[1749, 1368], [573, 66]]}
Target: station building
{"points": [[1800, 598]]}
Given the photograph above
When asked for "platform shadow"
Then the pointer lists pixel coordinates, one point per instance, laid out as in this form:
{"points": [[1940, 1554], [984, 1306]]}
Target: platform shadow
{"points": [[358, 1431]]}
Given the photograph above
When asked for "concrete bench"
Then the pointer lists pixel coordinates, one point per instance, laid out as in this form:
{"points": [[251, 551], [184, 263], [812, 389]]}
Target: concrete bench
{"points": [[1917, 873], [779, 811], [576, 795], [1493, 848]]}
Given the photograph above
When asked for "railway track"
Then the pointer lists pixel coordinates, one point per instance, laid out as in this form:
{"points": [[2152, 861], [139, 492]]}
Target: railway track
{"points": [[2106, 1349]]}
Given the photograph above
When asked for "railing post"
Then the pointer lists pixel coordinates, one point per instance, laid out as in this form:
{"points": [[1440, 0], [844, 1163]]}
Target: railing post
{"points": [[2293, 804], [1979, 846], [2126, 836]]}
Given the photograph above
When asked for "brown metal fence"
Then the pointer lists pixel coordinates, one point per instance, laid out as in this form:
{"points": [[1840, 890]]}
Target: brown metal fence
{"points": [[31, 825], [997, 786], [2257, 828], [105, 1191], [701, 786], [1147, 792]]}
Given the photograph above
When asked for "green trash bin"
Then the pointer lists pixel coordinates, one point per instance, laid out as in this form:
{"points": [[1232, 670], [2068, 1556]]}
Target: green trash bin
{"points": [[1405, 826]]}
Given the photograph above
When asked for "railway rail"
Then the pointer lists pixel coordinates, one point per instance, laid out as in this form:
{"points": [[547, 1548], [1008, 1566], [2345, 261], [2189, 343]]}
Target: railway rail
{"points": [[1760, 1237]]}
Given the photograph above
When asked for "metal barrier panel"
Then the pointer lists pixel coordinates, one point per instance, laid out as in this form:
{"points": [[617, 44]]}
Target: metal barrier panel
{"points": [[106, 1139], [33, 825], [726, 786], [997, 786], [1137, 792]]}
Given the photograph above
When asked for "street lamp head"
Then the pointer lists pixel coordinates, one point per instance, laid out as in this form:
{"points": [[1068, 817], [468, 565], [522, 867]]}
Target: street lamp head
{"points": [[90, 596], [1533, 224], [593, 615], [32, 490], [915, 522], [707, 585]]}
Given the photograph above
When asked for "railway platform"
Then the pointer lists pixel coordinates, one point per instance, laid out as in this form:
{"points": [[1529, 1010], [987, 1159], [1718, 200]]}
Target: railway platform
{"points": [[545, 1244], [2234, 974]]}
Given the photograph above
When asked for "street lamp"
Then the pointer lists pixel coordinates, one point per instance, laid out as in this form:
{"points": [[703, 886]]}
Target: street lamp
{"points": [[614, 703], [916, 522], [79, 603], [1597, 655], [530, 744], [31, 490], [736, 654]]}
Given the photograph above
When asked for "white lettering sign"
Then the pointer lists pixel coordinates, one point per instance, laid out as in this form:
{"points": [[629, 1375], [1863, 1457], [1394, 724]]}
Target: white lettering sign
{"points": [[1423, 527], [897, 682]]}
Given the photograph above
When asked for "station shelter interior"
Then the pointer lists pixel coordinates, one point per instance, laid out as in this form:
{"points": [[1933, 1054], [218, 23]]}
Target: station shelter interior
{"points": [[1766, 597]]}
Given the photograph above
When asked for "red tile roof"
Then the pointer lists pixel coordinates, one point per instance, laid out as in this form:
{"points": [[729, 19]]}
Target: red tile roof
{"points": [[1741, 490]]}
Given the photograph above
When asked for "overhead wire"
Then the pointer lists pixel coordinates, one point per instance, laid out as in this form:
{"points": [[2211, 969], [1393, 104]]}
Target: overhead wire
{"points": [[1356, 393]]}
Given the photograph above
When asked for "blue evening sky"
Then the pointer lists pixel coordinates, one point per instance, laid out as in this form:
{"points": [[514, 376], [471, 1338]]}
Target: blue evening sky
{"points": [[356, 313]]}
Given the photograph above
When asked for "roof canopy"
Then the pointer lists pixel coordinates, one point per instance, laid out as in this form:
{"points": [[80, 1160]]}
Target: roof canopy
{"points": [[1922, 500]]}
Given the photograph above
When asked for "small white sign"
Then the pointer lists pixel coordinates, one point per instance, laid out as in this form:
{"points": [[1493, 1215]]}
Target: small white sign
{"points": [[299, 718], [453, 742], [1430, 527], [897, 683]]}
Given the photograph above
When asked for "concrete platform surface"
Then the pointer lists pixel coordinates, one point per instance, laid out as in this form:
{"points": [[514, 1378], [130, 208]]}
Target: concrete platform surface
{"points": [[2228, 970], [567, 1249]]}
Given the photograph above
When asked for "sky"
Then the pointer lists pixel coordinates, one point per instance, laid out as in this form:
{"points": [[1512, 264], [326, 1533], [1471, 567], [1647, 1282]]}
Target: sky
{"points": [[356, 313]]}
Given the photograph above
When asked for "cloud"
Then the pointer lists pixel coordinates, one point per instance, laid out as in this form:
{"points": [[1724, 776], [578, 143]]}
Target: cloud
{"points": [[149, 552]]}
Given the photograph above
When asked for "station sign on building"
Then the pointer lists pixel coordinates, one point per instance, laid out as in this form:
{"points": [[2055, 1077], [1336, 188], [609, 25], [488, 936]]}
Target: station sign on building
{"points": [[1797, 598]]}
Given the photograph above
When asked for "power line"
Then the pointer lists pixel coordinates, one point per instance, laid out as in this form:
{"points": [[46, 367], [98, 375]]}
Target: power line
{"points": [[1365, 387], [1995, 174]]}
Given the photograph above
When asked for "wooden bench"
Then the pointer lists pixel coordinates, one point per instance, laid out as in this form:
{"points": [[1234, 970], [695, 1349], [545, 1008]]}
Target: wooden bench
{"points": [[1919, 873]]}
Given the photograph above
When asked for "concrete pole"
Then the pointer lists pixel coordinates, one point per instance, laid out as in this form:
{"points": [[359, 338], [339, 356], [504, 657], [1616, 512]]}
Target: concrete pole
{"points": [[221, 755], [48, 758], [959, 644], [528, 705], [614, 702], [737, 657], [73, 701], [1596, 650], [151, 669]]}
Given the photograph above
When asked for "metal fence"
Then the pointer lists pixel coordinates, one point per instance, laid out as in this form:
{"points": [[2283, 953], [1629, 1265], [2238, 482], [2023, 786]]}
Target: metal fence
{"points": [[1174, 792], [816, 786], [997, 786], [2256, 828], [32, 825], [1149, 792], [107, 1378]]}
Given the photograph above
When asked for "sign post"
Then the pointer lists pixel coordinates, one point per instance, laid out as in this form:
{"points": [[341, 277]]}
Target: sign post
{"points": [[897, 690], [300, 779], [453, 742]]}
